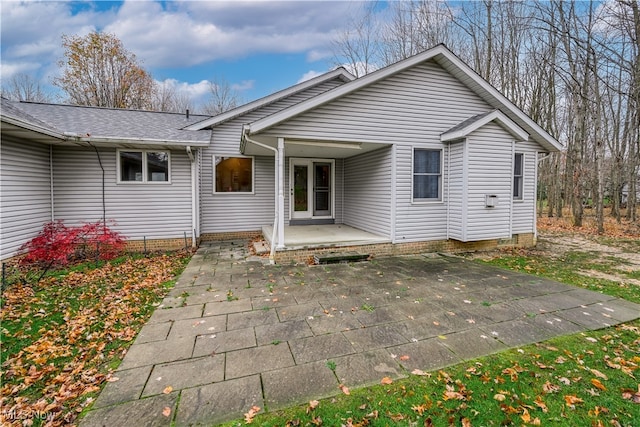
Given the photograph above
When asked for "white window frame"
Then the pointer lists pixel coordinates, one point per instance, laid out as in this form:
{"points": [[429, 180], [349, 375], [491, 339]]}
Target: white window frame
{"points": [[253, 174], [440, 175], [520, 188], [144, 166]]}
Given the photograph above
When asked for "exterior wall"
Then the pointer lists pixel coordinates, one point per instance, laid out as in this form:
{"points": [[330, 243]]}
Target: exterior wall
{"points": [[457, 189], [490, 171], [151, 210], [25, 185], [524, 219], [409, 109], [222, 213], [367, 192]]}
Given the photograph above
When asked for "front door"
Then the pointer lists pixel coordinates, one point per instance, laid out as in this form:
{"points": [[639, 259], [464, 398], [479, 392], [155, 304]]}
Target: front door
{"points": [[311, 183]]}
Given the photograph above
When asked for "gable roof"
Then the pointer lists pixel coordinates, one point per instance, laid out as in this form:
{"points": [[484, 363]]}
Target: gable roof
{"points": [[104, 125], [447, 60], [339, 73], [463, 129]]}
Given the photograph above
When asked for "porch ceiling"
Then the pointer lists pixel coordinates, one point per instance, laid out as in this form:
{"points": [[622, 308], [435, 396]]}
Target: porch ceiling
{"points": [[296, 147]]}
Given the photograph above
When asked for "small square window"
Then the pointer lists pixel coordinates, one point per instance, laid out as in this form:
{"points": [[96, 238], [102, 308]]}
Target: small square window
{"points": [[427, 174], [143, 166], [233, 174]]}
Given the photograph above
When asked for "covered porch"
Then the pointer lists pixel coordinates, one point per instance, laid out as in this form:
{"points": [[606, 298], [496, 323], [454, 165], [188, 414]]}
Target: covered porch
{"points": [[298, 237]]}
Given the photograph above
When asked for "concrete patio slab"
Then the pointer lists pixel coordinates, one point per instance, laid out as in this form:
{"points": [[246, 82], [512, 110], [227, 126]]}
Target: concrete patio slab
{"points": [[185, 374], [298, 384], [235, 332], [367, 368], [215, 403]]}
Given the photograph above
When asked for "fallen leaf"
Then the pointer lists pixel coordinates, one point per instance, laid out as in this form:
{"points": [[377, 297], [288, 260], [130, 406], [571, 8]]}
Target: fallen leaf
{"points": [[599, 374], [632, 395], [386, 381], [168, 389], [466, 422], [166, 411], [404, 357], [596, 382], [540, 404], [420, 408], [572, 400], [313, 404], [420, 372], [344, 389], [499, 397], [248, 417]]}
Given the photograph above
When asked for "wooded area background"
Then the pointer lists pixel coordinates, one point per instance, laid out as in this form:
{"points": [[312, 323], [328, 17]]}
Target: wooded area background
{"points": [[573, 67]]}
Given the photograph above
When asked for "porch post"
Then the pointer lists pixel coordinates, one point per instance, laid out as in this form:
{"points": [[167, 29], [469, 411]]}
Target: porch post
{"points": [[280, 193]]}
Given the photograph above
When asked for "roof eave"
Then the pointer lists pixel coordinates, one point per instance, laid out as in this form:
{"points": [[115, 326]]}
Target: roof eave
{"points": [[33, 127], [228, 115], [512, 127]]}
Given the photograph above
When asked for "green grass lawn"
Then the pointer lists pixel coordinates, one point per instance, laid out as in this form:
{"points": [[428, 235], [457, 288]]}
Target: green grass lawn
{"points": [[588, 379], [62, 337]]}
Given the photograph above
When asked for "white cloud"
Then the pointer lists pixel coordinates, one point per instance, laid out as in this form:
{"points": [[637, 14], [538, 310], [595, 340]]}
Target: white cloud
{"points": [[316, 55], [309, 75], [195, 32], [243, 85], [170, 34]]}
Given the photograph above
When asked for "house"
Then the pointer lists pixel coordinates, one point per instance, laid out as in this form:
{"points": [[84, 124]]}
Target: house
{"points": [[421, 155]]}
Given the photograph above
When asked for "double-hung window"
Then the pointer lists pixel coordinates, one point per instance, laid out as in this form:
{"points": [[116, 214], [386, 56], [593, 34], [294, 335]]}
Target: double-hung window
{"points": [[143, 166], [518, 176], [233, 174], [427, 174]]}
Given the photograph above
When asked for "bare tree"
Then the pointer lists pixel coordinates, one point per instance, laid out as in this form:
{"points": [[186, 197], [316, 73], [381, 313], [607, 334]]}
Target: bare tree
{"points": [[223, 97], [23, 87], [167, 98], [357, 47], [99, 71]]}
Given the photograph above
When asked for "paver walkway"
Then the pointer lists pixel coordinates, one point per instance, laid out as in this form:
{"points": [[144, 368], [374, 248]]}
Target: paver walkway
{"points": [[235, 333]]}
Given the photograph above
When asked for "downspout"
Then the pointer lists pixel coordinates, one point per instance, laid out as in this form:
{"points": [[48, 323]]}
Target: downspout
{"points": [[53, 216], [194, 195], [276, 184]]}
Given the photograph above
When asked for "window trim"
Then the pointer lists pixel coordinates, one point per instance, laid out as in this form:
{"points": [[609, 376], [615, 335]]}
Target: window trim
{"points": [[520, 187], [253, 174], [440, 198], [144, 166]]}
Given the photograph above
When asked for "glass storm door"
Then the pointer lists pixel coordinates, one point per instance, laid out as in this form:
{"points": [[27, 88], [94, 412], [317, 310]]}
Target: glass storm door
{"points": [[311, 184]]}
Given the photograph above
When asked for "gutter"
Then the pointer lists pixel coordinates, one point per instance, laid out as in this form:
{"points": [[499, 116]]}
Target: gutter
{"points": [[245, 138], [72, 136]]}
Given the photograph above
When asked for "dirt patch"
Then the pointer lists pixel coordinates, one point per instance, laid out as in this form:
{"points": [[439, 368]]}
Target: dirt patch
{"points": [[612, 277]]}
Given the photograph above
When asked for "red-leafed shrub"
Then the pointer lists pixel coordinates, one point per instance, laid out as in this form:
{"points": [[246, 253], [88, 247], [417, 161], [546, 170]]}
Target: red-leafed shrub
{"points": [[58, 245]]}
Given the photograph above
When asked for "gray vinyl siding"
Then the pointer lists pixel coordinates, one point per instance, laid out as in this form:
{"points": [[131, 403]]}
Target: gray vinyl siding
{"points": [[490, 168], [418, 221], [26, 193], [416, 105], [524, 220], [226, 212], [457, 189], [245, 212], [151, 210], [409, 109], [367, 192]]}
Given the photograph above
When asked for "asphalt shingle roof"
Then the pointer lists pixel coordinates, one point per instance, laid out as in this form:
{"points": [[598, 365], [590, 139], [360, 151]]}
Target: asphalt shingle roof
{"points": [[109, 122]]}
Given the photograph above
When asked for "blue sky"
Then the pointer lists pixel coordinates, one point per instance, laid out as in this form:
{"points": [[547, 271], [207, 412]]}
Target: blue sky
{"points": [[258, 47]]}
